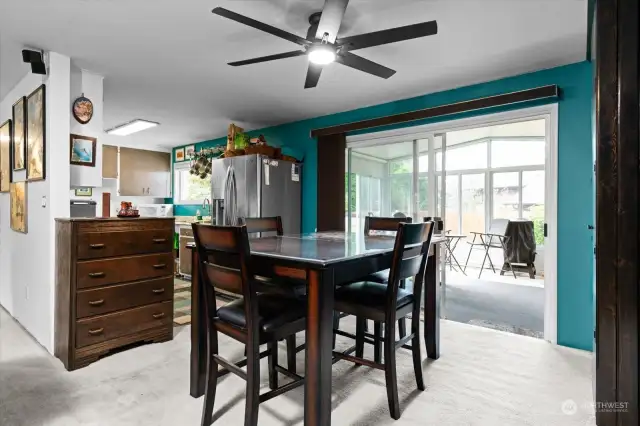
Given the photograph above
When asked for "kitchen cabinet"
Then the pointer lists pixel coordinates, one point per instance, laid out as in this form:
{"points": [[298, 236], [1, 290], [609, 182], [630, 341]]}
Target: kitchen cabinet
{"points": [[109, 162], [184, 253], [145, 173]]}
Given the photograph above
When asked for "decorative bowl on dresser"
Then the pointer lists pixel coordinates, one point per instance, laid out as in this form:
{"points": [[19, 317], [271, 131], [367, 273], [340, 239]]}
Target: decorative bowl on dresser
{"points": [[114, 286]]}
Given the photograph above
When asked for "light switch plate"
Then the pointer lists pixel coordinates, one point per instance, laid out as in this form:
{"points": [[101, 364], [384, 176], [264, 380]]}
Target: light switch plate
{"points": [[44, 201]]}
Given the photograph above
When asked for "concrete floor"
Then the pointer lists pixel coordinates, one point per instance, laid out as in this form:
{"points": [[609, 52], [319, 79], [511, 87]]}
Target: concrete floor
{"points": [[483, 377]]}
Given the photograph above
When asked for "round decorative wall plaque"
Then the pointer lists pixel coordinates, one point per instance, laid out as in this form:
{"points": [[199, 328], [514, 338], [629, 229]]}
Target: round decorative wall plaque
{"points": [[83, 110]]}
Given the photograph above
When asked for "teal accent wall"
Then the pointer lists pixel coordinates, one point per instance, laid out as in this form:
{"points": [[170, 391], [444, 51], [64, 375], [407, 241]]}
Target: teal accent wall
{"points": [[575, 163]]}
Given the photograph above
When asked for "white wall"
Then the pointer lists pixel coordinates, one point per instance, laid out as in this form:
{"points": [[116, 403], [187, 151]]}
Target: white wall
{"points": [[91, 85], [27, 261]]}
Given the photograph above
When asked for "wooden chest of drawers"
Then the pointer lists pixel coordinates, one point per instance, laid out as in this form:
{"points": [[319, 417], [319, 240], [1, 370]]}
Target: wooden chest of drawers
{"points": [[114, 286]]}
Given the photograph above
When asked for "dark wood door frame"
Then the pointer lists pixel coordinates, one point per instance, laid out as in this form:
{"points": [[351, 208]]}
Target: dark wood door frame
{"points": [[331, 172], [617, 213], [549, 92]]}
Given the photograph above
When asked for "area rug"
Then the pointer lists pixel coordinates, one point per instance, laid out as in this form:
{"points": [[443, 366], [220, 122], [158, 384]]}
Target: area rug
{"points": [[182, 302]]}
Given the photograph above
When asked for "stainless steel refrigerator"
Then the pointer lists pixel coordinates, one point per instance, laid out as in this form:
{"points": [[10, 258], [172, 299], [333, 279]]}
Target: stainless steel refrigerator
{"points": [[263, 188]]}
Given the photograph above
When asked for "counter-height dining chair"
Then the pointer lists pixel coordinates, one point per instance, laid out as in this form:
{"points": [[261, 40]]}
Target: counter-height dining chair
{"points": [[283, 286], [387, 304], [255, 319], [374, 225]]}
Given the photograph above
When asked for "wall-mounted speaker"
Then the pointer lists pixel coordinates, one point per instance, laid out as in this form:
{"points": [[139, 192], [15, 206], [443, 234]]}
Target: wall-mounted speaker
{"points": [[35, 58]]}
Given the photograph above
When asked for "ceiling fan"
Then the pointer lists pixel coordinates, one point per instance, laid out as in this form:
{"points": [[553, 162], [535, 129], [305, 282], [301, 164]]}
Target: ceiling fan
{"points": [[323, 46]]}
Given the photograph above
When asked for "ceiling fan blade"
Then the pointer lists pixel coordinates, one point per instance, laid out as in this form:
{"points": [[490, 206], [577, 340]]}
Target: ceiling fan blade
{"points": [[331, 19], [392, 35], [268, 58], [313, 75], [260, 26], [362, 64]]}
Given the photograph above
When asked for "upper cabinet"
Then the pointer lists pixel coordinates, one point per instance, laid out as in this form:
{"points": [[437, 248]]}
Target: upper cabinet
{"points": [[109, 162], [145, 173]]}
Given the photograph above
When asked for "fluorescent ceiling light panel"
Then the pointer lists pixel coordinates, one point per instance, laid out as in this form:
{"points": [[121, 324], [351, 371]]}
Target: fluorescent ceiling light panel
{"points": [[132, 127]]}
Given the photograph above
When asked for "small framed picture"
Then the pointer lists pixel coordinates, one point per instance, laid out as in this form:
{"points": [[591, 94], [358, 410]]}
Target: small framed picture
{"points": [[84, 192], [190, 151], [180, 154], [83, 151]]}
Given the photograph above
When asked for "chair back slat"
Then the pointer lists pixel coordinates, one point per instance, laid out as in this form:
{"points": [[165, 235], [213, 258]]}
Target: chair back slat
{"points": [[263, 224], [410, 266], [224, 263], [410, 254], [216, 238], [227, 279], [372, 223]]}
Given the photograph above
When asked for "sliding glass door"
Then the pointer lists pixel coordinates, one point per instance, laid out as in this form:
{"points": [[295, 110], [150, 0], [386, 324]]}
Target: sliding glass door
{"points": [[379, 182]]}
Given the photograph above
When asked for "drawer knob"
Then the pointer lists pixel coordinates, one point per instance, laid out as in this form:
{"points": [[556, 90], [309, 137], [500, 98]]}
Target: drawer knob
{"points": [[97, 274], [158, 290], [96, 302], [96, 246], [159, 240], [158, 316], [96, 331], [159, 266]]}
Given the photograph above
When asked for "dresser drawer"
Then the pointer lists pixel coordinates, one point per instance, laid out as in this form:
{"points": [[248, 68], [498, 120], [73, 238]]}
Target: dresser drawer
{"points": [[94, 245], [106, 327], [95, 273], [123, 296]]}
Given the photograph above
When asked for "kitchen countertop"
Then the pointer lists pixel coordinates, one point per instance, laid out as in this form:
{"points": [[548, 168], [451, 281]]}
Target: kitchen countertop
{"points": [[188, 220], [108, 219]]}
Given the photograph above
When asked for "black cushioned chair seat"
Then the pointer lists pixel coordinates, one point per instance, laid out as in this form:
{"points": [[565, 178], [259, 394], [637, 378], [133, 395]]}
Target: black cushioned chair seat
{"points": [[274, 311], [371, 295], [381, 277], [281, 286]]}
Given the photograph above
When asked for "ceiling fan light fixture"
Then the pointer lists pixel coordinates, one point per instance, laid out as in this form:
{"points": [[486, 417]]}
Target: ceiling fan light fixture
{"points": [[322, 54]]}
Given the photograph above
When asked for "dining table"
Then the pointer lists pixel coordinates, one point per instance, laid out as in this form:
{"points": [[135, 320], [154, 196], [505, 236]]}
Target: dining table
{"points": [[324, 260]]}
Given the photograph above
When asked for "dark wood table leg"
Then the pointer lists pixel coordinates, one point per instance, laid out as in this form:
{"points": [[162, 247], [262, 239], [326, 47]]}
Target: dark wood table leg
{"points": [[198, 368], [432, 304], [317, 393]]}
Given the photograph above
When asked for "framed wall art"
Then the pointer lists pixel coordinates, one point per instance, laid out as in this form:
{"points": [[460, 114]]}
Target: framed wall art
{"points": [[84, 192], [5, 156], [83, 150], [179, 154], [82, 110], [36, 134], [190, 152], [19, 207], [19, 149]]}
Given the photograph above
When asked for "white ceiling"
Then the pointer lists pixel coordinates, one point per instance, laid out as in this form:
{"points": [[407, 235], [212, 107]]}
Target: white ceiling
{"points": [[165, 60]]}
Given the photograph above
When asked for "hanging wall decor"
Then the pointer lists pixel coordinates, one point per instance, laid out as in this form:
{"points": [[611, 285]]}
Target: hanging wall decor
{"points": [[83, 150], [19, 149], [19, 207], [82, 110], [84, 192], [179, 154], [36, 147], [5, 156], [190, 151]]}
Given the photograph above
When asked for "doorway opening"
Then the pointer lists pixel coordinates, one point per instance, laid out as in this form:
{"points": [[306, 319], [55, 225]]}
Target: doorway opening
{"points": [[492, 181]]}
